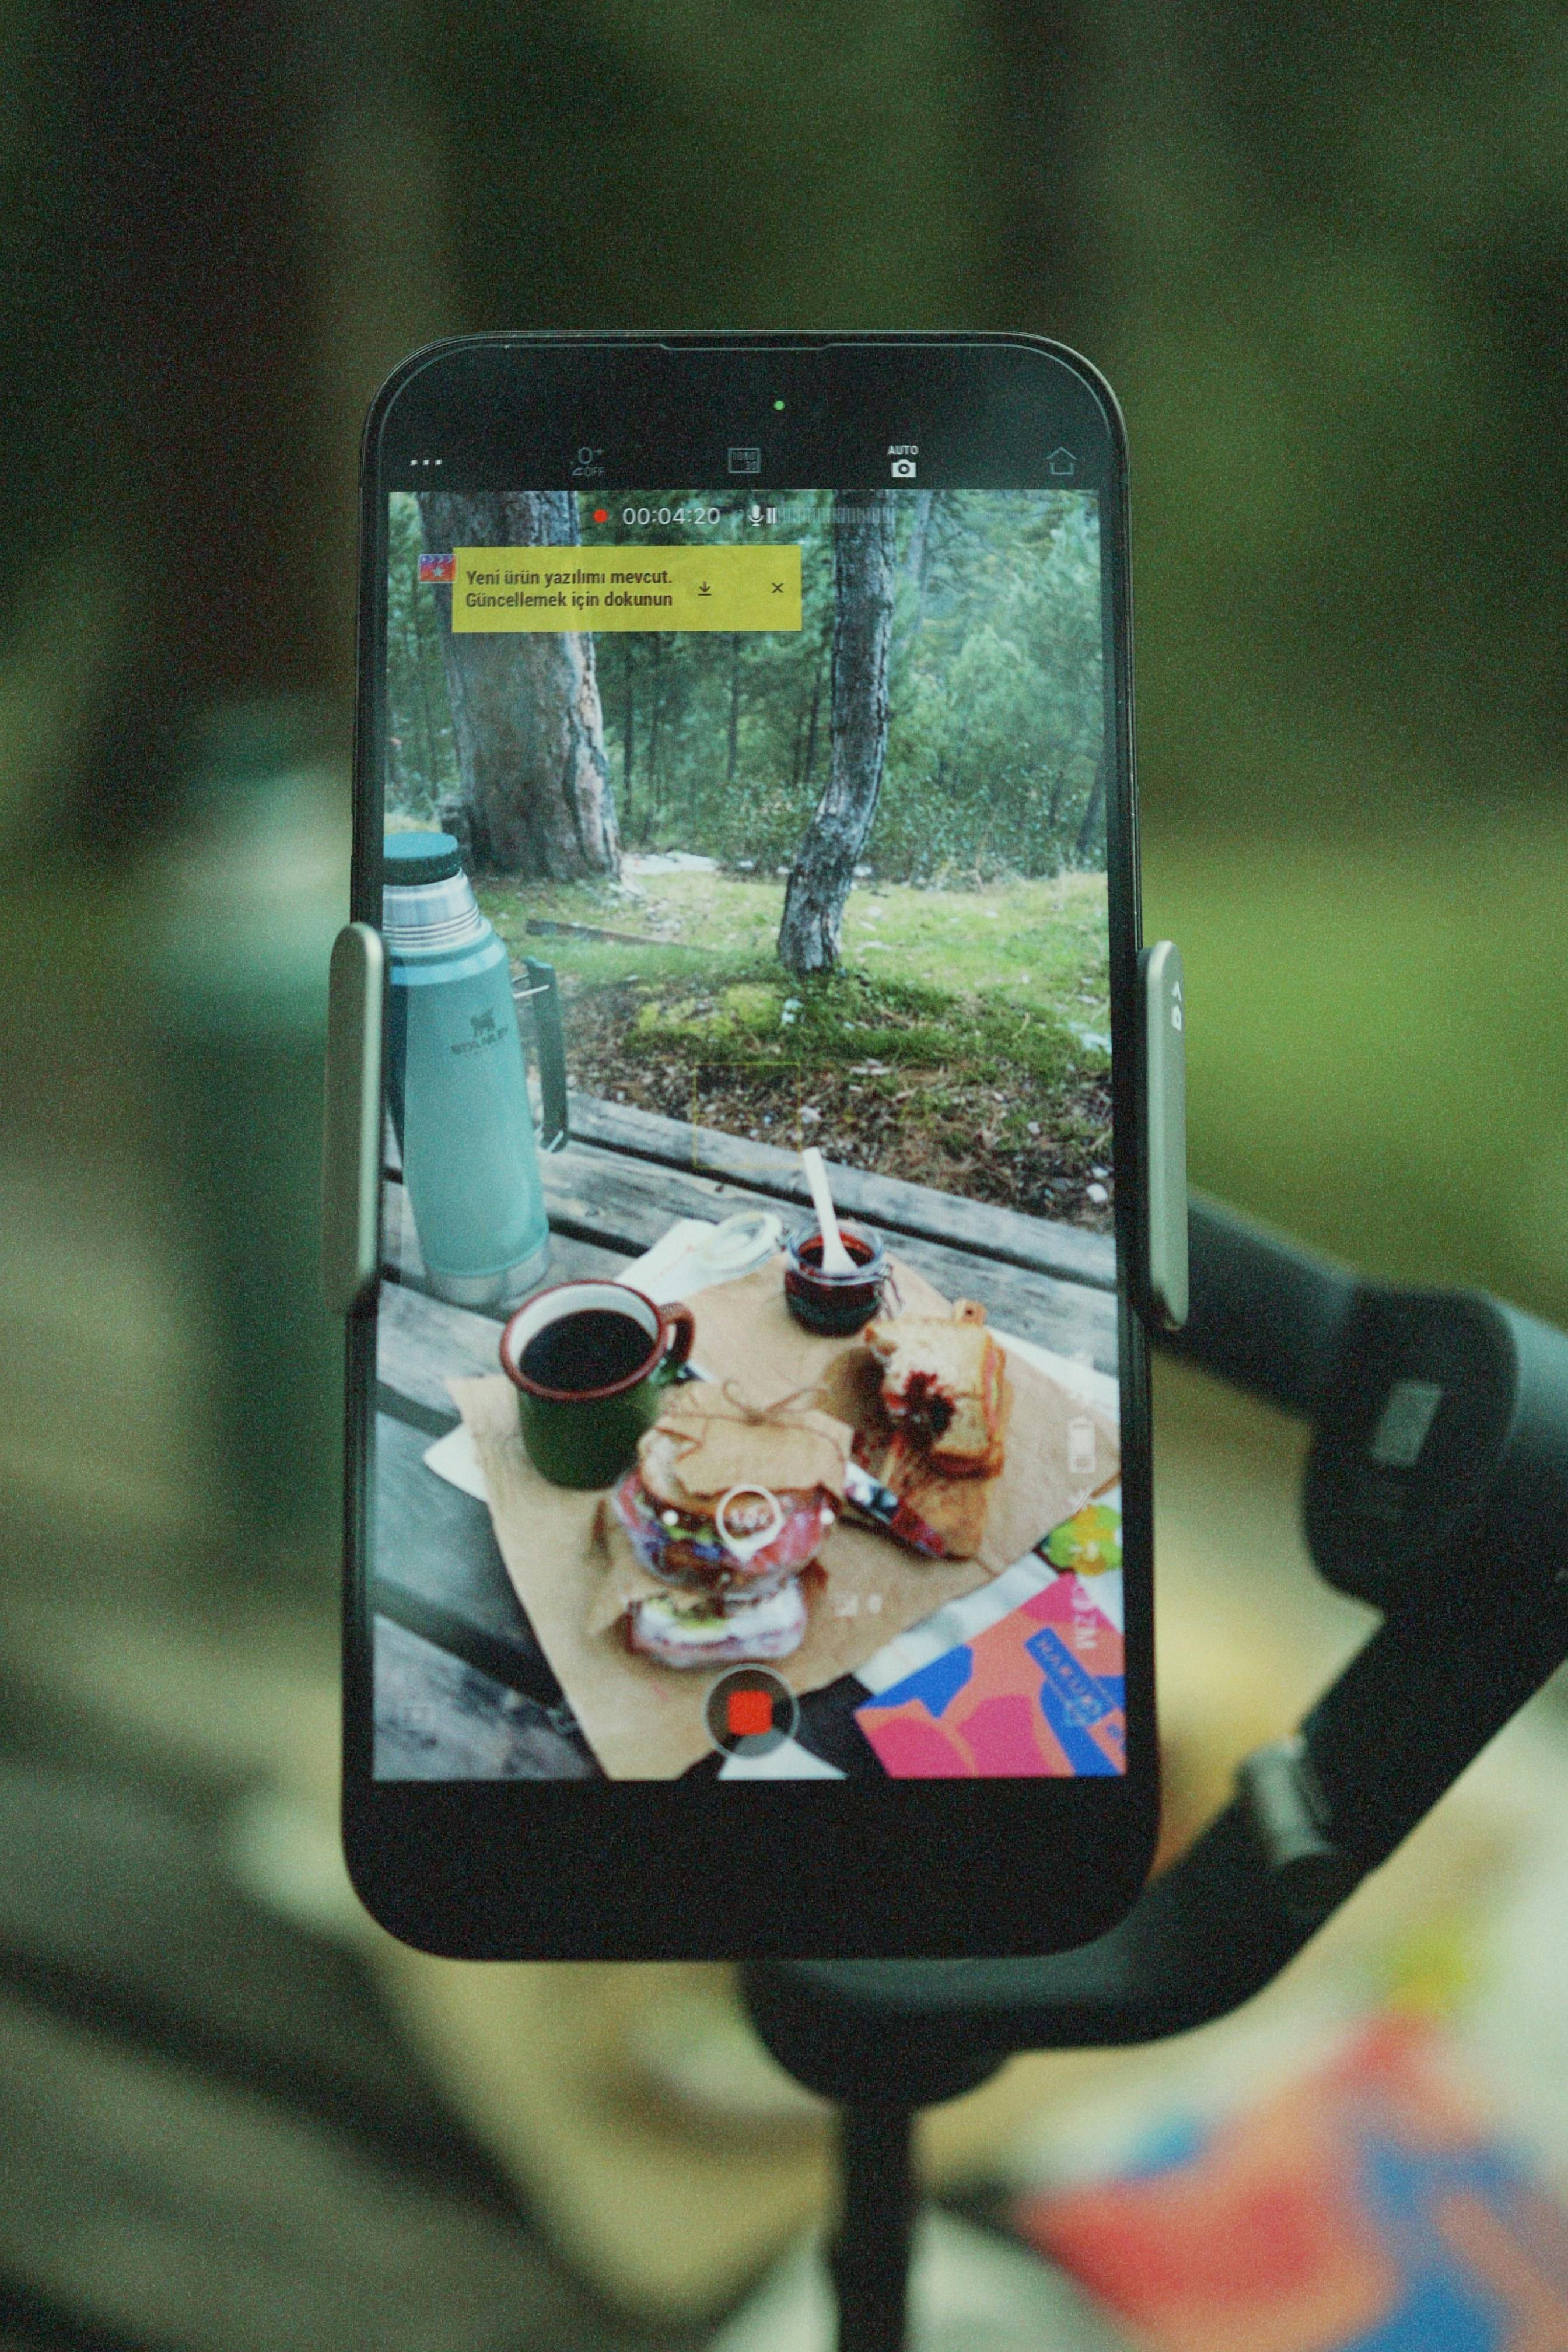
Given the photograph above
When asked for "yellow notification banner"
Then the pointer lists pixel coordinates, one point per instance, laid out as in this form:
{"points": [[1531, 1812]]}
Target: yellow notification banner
{"points": [[625, 588]]}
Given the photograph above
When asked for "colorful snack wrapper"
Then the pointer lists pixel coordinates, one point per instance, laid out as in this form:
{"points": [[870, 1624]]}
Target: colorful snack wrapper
{"points": [[1039, 1694]]}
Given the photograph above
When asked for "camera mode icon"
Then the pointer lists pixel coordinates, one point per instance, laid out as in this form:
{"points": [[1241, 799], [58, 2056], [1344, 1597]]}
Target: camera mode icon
{"points": [[903, 470]]}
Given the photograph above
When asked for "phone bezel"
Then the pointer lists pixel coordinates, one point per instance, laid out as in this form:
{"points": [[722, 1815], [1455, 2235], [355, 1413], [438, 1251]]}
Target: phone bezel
{"points": [[566, 1870]]}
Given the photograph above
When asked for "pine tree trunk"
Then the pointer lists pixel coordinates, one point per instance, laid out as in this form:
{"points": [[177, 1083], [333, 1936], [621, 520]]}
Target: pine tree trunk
{"points": [[1093, 816], [808, 767], [864, 549], [628, 729], [526, 718], [650, 787], [733, 748], [919, 548], [432, 752]]}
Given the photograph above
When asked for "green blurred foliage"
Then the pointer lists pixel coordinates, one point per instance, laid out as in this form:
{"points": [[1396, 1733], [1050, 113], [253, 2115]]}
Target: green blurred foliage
{"points": [[1323, 256], [1376, 1044], [1322, 261], [712, 161], [1342, 305]]}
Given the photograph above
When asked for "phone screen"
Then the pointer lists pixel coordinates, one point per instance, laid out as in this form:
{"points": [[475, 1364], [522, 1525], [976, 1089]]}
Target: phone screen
{"points": [[749, 1468], [721, 826]]}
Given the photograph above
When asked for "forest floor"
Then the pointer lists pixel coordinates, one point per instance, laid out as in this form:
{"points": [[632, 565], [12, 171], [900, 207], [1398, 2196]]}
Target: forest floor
{"points": [[962, 1043]]}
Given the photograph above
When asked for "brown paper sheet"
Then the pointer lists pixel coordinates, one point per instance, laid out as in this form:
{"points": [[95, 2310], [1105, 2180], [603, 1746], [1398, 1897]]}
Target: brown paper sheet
{"points": [[745, 1329], [645, 1721], [718, 1444]]}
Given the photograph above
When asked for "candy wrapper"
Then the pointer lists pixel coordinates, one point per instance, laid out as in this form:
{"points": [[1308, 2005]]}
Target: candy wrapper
{"points": [[1038, 1695]]}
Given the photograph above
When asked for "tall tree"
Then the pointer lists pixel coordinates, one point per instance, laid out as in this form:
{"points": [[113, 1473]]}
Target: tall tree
{"points": [[915, 553], [526, 717], [806, 768], [629, 727], [732, 751], [656, 696], [864, 552], [1091, 831]]}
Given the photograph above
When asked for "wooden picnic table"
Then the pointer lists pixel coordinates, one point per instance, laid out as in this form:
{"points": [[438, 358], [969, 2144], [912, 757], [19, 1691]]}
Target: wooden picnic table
{"points": [[463, 1688]]}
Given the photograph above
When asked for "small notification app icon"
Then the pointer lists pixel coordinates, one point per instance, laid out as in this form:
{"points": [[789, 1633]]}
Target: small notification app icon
{"points": [[748, 1714]]}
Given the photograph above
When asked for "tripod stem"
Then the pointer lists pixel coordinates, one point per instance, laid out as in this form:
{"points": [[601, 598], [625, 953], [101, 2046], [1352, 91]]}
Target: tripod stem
{"points": [[871, 2256]]}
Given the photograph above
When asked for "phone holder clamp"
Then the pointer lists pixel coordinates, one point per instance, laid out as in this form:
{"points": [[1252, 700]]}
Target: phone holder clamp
{"points": [[1437, 1490]]}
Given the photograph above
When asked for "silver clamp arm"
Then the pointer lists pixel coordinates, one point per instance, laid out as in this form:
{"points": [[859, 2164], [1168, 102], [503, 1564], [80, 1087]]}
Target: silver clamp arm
{"points": [[350, 1153]]}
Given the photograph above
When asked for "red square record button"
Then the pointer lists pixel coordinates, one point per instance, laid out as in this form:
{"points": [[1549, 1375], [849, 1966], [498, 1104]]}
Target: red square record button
{"points": [[748, 1714]]}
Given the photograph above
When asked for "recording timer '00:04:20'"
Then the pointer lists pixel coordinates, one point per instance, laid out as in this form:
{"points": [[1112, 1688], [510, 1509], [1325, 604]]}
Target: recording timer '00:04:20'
{"points": [[639, 517]]}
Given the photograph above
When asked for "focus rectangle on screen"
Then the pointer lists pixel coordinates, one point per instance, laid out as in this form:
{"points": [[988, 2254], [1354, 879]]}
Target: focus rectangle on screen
{"points": [[553, 588]]}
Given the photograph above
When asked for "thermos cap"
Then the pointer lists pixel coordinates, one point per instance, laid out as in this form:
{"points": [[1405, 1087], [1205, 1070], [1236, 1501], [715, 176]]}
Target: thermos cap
{"points": [[412, 858]]}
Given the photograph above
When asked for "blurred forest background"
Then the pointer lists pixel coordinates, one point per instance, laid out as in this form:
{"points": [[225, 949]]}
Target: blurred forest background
{"points": [[1324, 268], [1323, 257]]}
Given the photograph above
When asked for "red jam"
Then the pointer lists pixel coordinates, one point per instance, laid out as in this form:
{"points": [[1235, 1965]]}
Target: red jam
{"points": [[833, 1304]]}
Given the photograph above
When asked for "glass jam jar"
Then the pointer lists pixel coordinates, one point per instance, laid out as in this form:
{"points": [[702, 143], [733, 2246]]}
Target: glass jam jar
{"points": [[833, 1304]]}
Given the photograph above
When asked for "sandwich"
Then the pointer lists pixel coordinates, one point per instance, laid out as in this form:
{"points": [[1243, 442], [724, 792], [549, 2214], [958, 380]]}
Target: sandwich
{"points": [[724, 1511], [943, 1388]]}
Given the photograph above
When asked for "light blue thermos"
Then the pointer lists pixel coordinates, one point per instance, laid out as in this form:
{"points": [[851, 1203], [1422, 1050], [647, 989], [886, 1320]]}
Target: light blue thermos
{"points": [[457, 1081]]}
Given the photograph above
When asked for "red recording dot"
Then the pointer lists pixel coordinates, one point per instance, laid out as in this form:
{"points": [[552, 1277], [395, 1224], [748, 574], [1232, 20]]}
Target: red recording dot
{"points": [[601, 514], [748, 1714]]}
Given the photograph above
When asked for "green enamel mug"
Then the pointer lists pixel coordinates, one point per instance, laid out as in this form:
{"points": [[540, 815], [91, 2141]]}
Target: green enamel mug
{"points": [[590, 1362]]}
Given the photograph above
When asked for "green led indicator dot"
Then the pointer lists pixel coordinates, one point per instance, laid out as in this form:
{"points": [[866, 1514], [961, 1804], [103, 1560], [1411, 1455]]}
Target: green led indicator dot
{"points": [[778, 404]]}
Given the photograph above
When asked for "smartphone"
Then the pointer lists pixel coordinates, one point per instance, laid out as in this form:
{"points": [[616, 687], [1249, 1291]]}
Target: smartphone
{"points": [[745, 1084]]}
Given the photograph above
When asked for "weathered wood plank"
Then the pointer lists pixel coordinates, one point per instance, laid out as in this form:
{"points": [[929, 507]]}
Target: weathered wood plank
{"points": [[120, 1910], [420, 1339], [627, 1203], [608, 1197], [1043, 1244], [439, 1719], [436, 1569], [438, 1572], [143, 2200], [571, 1258], [608, 1193]]}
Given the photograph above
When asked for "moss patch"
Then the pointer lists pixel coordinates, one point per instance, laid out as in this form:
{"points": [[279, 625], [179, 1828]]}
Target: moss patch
{"points": [[954, 1046]]}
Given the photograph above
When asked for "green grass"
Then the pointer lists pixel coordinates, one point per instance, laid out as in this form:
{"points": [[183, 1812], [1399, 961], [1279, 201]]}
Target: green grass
{"points": [[757, 1021], [985, 980]]}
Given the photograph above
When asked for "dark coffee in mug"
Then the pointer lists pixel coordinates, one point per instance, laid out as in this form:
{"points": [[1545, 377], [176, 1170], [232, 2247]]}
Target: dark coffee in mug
{"points": [[587, 1351], [590, 1362]]}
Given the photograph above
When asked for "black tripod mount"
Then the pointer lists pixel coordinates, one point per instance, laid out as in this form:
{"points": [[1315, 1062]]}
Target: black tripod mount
{"points": [[1437, 1488]]}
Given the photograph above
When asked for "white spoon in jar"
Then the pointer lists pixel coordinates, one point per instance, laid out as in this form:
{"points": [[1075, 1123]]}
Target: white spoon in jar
{"points": [[836, 1258]]}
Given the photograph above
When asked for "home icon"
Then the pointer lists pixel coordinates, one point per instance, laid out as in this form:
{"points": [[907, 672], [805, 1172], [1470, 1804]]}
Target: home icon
{"points": [[1062, 462]]}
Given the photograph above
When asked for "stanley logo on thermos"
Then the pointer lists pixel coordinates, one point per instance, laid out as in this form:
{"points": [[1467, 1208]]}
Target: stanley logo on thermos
{"points": [[486, 1033]]}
